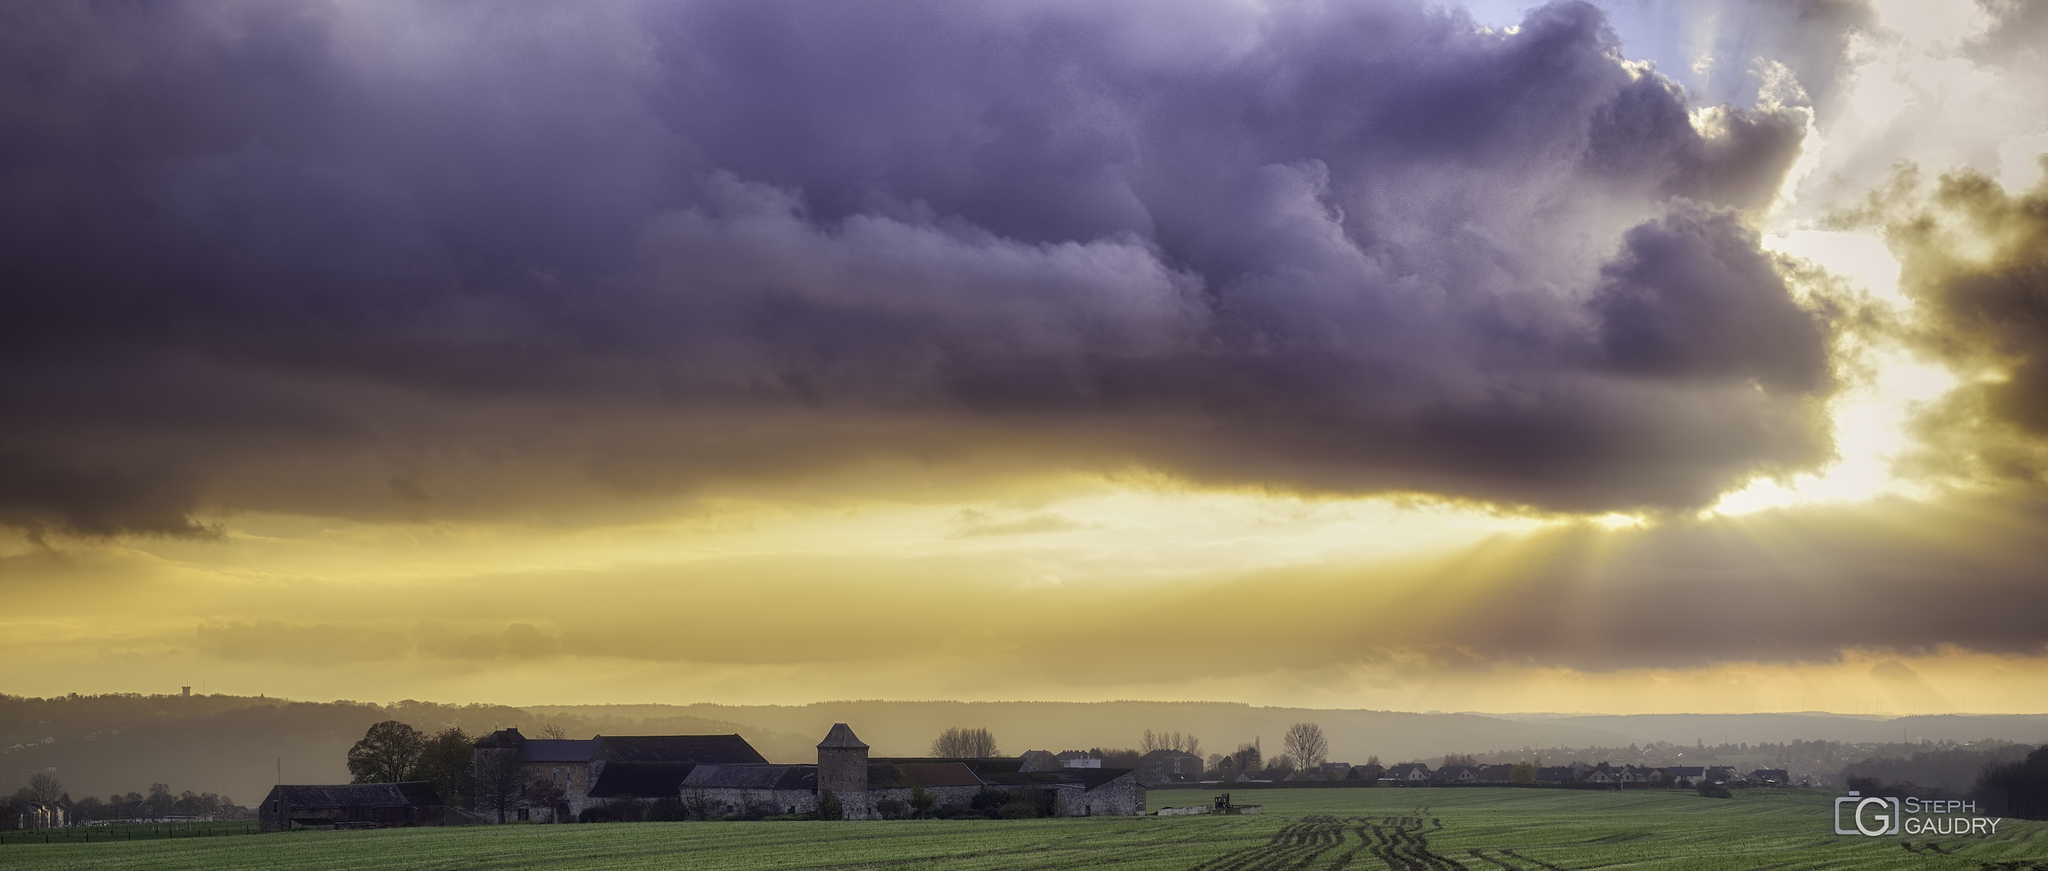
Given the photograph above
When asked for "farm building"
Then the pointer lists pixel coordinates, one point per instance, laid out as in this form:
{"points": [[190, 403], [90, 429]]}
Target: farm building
{"points": [[723, 774], [865, 787], [640, 766], [351, 806]]}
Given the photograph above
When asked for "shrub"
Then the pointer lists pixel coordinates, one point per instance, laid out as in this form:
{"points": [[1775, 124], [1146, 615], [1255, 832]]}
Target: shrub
{"points": [[829, 807], [1017, 810], [1714, 790], [921, 802], [987, 801], [891, 809], [665, 810], [603, 813]]}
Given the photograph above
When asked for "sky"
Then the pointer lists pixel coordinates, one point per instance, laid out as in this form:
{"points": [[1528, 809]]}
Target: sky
{"points": [[1626, 357]]}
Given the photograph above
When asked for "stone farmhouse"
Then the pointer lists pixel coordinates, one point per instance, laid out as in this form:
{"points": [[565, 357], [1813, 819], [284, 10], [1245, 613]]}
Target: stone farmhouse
{"points": [[353, 806], [864, 785], [723, 774], [604, 769]]}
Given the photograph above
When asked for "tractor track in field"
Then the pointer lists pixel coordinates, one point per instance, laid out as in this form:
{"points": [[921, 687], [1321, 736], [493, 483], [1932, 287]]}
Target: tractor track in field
{"points": [[1326, 843]]}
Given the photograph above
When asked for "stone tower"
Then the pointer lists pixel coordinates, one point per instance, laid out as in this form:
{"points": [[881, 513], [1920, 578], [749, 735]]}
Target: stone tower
{"points": [[843, 770]]}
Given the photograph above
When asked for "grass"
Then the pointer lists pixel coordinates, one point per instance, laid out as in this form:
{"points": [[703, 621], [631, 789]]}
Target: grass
{"points": [[1435, 829]]}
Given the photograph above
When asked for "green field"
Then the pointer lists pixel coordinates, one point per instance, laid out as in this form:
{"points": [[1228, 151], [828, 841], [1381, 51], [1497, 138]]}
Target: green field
{"points": [[1539, 830]]}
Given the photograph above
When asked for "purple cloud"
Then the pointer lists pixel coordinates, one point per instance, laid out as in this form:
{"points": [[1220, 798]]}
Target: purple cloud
{"points": [[256, 253]]}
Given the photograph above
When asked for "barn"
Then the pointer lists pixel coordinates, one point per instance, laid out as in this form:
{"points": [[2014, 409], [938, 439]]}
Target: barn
{"points": [[352, 806]]}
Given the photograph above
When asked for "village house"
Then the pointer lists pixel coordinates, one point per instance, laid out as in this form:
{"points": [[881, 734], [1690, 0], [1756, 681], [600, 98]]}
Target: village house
{"points": [[1169, 766], [1457, 774], [1038, 760], [1407, 772], [31, 815], [1079, 759], [352, 806], [1493, 774], [1685, 775]]}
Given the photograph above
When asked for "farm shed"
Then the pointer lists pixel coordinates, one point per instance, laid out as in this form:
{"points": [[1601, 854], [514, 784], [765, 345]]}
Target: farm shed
{"points": [[352, 805]]}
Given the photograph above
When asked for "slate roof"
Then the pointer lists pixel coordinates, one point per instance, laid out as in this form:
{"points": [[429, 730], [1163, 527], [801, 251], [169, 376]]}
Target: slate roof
{"points": [[641, 779], [841, 738], [303, 796], [1085, 778], [888, 775], [701, 749], [557, 750], [502, 738], [752, 776]]}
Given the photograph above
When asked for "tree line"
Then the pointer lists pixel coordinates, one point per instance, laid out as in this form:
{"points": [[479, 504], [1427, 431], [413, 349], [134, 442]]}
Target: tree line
{"points": [[158, 803]]}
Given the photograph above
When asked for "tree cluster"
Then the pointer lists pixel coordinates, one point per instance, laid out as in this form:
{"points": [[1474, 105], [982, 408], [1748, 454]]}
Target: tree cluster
{"points": [[2022, 784], [394, 752], [160, 802]]}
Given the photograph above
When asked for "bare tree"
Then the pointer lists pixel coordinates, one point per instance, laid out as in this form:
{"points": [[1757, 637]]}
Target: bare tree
{"points": [[389, 753], [499, 784], [1306, 745], [553, 732], [1169, 741], [45, 787], [546, 791], [962, 743]]}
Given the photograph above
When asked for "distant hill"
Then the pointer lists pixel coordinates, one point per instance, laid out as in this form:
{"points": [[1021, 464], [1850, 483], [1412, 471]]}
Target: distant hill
{"points": [[1754, 728], [233, 745]]}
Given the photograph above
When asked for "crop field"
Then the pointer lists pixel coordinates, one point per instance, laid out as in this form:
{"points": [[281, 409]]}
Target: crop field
{"points": [[1302, 830]]}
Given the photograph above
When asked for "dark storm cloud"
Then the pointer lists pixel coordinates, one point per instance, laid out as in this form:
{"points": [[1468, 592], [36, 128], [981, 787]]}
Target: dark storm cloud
{"points": [[280, 255], [1975, 256]]}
